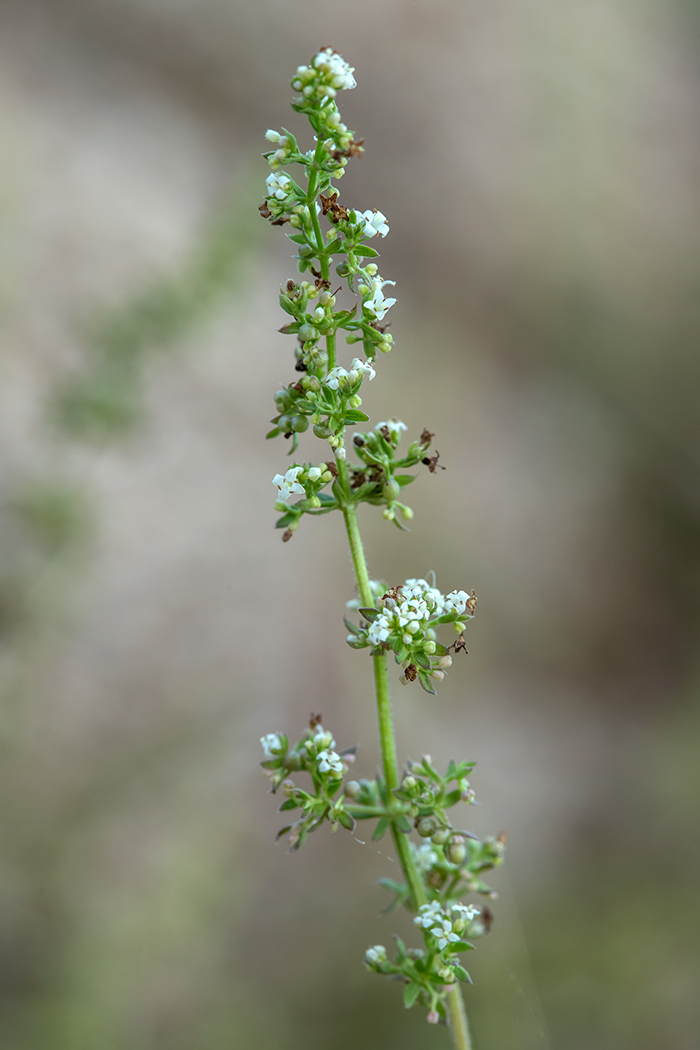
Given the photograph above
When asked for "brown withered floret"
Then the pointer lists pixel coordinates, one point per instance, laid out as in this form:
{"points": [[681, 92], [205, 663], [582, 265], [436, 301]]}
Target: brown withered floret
{"points": [[411, 673], [354, 149], [426, 436], [315, 720], [330, 207], [264, 210], [287, 535], [431, 462]]}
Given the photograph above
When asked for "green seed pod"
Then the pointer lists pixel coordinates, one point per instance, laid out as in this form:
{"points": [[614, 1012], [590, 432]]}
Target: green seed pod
{"points": [[283, 400], [391, 490], [426, 827], [457, 851], [441, 836], [285, 423], [307, 333], [299, 424], [322, 430]]}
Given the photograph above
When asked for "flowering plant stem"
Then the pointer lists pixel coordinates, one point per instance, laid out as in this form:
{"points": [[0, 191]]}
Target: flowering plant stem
{"points": [[405, 619], [458, 1015]]}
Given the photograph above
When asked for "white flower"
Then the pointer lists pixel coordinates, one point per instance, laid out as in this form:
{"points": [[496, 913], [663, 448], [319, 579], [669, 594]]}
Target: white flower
{"points": [[425, 857], [429, 914], [379, 631], [465, 911], [339, 73], [394, 426], [279, 186], [377, 954], [272, 136], [322, 738], [444, 934], [314, 473], [364, 367], [375, 222], [330, 762], [334, 377], [288, 483], [378, 304], [271, 743]]}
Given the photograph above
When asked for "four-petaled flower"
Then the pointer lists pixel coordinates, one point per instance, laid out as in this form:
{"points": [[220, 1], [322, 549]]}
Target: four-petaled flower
{"points": [[278, 186], [375, 222], [288, 484], [378, 304], [364, 367], [330, 762]]}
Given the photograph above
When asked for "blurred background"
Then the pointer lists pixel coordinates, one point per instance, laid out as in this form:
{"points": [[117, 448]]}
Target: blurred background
{"points": [[538, 163]]}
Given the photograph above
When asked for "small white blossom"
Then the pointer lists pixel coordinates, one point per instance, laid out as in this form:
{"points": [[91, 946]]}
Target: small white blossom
{"points": [[314, 473], [322, 738], [288, 483], [330, 762], [429, 914], [379, 631], [465, 911], [377, 954], [425, 857], [337, 69], [278, 186], [271, 743], [375, 222], [378, 304], [335, 376], [364, 367], [445, 934]]}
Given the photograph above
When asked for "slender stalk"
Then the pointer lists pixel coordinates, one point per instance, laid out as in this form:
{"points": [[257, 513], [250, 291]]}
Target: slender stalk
{"points": [[459, 1027]]}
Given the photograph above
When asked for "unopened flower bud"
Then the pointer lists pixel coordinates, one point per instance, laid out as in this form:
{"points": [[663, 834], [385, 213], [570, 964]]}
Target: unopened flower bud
{"points": [[288, 787], [441, 836], [433, 1017], [307, 333], [408, 783], [352, 789], [445, 661]]}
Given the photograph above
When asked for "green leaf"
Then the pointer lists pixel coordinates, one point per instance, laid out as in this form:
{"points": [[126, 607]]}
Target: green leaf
{"points": [[345, 820], [405, 479], [283, 831], [410, 994], [369, 614], [350, 626], [422, 660], [453, 797], [461, 946], [403, 824], [381, 829], [400, 949], [273, 433], [461, 974], [426, 683], [289, 804], [353, 415], [363, 251]]}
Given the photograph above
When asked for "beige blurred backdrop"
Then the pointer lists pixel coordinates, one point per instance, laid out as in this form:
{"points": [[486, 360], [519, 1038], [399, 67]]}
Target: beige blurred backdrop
{"points": [[538, 163]]}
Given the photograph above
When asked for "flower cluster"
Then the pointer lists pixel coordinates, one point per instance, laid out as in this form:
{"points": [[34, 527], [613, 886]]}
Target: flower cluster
{"points": [[404, 622], [314, 754], [429, 973]]}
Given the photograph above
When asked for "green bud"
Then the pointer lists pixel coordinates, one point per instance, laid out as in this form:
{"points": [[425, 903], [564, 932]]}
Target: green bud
{"points": [[307, 333], [441, 836], [391, 490], [408, 783]]}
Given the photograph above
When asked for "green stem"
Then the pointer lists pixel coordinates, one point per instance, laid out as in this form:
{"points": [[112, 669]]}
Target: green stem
{"points": [[455, 1004]]}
